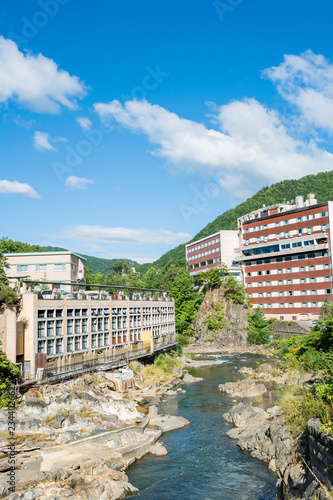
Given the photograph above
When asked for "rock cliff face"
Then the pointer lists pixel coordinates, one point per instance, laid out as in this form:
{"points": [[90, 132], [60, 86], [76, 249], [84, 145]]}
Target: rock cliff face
{"points": [[220, 321]]}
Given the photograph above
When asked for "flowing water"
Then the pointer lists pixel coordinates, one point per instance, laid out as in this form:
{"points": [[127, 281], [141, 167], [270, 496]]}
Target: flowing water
{"points": [[202, 462]]}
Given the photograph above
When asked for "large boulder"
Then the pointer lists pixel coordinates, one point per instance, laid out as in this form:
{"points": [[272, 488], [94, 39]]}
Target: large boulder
{"points": [[247, 388]]}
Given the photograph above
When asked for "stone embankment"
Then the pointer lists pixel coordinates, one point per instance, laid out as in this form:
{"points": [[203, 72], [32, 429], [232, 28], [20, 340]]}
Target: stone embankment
{"points": [[77, 438], [264, 434]]}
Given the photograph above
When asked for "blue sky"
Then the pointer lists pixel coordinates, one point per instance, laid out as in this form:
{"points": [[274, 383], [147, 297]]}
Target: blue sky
{"points": [[128, 126]]}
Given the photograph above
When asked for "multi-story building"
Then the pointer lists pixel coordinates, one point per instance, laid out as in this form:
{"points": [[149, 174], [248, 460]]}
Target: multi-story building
{"points": [[62, 266], [213, 251], [59, 330], [286, 258]]}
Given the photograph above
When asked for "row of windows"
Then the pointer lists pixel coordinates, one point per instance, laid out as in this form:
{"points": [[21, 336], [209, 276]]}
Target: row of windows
{"points": [[42, 268], [287, 234], [205, 263], [301, 269], [204, 254], [305, 218], [290, 305], [203, 245], [287, 258], [288, 282], [291, 293]]}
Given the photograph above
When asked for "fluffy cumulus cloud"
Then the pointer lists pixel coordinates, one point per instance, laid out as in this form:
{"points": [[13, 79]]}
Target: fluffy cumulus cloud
{"points": [[251, 142], [306, 81], [36, 81], [15, 187], [74, 182], [84, 122], [118, 235], [42, 142]]}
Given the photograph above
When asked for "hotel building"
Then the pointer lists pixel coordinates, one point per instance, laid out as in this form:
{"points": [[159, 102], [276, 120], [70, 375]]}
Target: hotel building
{"points": [[52, 332], [286, 258], [213, 251], [61, 266]]}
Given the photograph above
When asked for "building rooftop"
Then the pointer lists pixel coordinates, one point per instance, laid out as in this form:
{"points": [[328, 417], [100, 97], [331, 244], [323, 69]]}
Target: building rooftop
{"points": [[58, 252]]}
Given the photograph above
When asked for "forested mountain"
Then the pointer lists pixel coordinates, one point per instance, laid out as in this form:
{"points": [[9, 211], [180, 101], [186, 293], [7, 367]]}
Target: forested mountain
{"points": [[320, 184]]}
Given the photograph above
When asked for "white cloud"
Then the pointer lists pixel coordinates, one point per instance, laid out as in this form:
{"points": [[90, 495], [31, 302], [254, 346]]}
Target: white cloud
{"points": [[36, 81], [118, 235], [74, 182], [306, 81], [42, 142], [15, 187], [84, 122], [251, 142]]}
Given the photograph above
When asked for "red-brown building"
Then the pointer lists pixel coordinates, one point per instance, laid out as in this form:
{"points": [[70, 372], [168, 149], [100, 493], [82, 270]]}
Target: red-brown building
{"points": [[213, 251], [286, 259]]}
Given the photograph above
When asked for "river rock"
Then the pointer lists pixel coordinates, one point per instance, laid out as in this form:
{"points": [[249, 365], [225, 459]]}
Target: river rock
{"points": [[189, 379], [247, 388], [158, 450], [265, 439]]}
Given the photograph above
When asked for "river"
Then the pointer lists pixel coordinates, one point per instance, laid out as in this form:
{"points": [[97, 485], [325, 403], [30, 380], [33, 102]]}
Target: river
{"points": [[202, 462]]}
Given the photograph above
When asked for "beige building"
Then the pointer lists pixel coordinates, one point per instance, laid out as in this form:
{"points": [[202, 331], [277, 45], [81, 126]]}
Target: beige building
{"points": [[55, 332], [62, 266]]}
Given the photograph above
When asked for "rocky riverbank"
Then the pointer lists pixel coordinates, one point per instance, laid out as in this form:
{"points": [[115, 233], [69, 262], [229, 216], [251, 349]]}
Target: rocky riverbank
{"points": [[265, 435], [76, 439]]}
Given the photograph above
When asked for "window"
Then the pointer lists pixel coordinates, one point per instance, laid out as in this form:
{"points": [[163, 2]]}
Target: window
{"points": [[287, 258], [268, 272], [327, 278], [77, 326], [278, 236], [259, 273], [314, 304], [94, 324], [323, 214], [58, 313], [22, 268], [41, 329], [50, 328], [50, 313], [313, 280], [312, 268], [282, 305], [291, 304], [286, 222], [279, 259], [106, 323], [302, 269], [84, 325], [280, 282], [279, 271], [313, 292], [303, 280], [77, 312], [281, 294], [268, 294], [298, 244], [59, 344], [311, 255], [41, 314], [299, 219], [301, 257], [304, 304], [288, 270], [310, 230], [106, 339], [267, 261], [268, 283], [284, 247], [41, 346], [303, 292], [59, 267], [94, 340], [300, 231], [85, 342], [59, 327], [290, 293], [70, 344], [69, 326], [259, 262], [77, 343], [41, 268], [289, 282], [100, 340], [50, 347], [70, 312]]}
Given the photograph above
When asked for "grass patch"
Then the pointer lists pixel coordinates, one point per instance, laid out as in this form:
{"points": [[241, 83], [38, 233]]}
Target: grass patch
{"points": [[22, 437], [162, 370]]}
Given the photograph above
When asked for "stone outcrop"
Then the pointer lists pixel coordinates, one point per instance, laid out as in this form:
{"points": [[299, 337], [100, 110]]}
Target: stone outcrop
{"points": [[262, 433], [247, 388], [72, 409], [305, 480], [234, 333], [87, 480]]}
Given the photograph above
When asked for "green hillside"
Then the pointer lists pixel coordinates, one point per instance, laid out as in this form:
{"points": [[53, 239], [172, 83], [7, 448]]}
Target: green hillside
{"points": [[320, 184], [96, 264]]}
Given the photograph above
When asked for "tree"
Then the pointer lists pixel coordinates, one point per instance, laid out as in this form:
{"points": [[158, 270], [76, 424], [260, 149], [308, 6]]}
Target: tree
{"points": [[10, 246], [120, 268], [213, 278], [258, 328], [9, 372], [7, 294]]}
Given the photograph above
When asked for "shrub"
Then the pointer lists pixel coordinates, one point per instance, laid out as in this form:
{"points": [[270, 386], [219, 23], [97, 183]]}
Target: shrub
{"points": [[258, 328]]}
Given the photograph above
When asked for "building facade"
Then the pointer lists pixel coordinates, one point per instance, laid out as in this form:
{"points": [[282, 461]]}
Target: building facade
{"points": [[57, 330], [286, 258], [62, 266], [213, 251]]}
